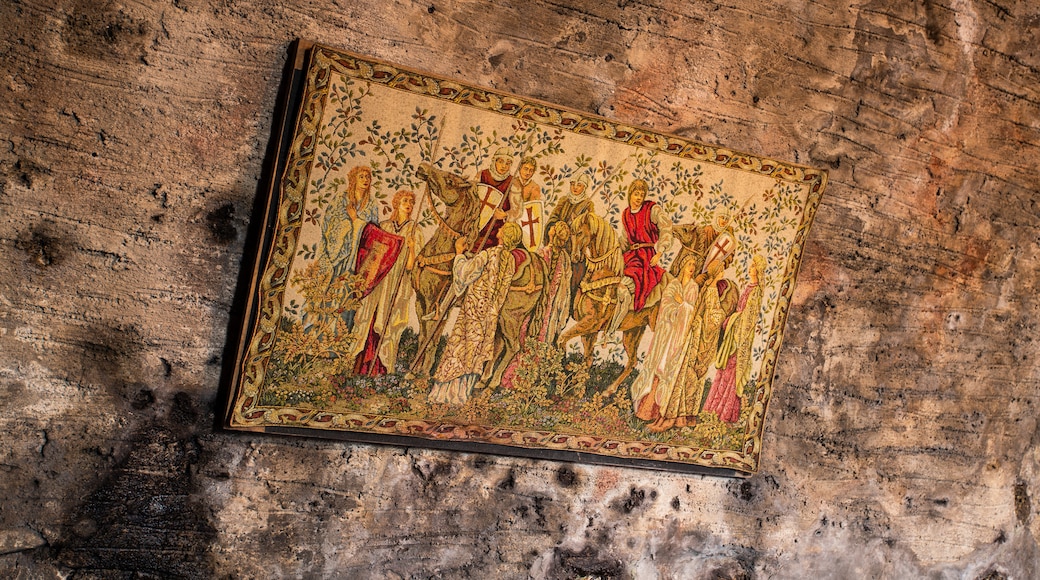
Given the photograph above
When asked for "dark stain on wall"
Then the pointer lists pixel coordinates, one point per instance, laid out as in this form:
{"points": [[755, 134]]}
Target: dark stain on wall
{"points": [[28, 173], [42, 246], [1022, 509], [932, 27], [992, 574], [221, 223], [143, 520], [106, 33], [731, 570], [635, 498], [585, 563], [508, 482], [566, 477]]}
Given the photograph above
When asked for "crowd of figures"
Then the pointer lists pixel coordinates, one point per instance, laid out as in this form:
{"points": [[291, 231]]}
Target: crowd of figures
{"points": [[513, 271]]}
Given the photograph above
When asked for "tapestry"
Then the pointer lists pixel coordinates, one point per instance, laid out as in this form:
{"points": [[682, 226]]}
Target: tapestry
{"points": [[451, 266]]}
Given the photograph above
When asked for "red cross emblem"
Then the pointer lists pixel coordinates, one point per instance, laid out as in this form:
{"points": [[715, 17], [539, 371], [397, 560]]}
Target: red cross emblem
{"points": [[722, 244], [486, 202], [490, 201], [529, 225]]}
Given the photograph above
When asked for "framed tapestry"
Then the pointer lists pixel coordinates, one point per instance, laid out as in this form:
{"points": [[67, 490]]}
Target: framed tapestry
{"points": [[449, 266]]}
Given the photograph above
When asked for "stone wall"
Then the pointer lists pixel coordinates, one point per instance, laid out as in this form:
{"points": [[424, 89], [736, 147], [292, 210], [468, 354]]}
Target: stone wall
{"points": [[902, 440]]}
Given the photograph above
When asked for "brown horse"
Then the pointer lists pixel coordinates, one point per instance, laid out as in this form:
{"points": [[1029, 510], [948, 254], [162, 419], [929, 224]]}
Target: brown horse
{"points": [[594, 303], [694, 242], [432, 278]]}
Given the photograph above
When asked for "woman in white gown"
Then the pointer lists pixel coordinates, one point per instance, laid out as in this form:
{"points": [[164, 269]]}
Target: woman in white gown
{"points": [[653, 387]]}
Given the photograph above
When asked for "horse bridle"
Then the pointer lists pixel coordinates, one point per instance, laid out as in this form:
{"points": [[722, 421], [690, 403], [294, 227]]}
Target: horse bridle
{"points": [[440, 219], [424, 262]]}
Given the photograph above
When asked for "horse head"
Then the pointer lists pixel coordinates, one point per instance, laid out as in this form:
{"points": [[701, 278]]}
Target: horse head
{"points": [[581, 235], [446, 186], [456, 192]]}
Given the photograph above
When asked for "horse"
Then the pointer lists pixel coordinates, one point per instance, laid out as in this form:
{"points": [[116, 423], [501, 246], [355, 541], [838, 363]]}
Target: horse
{"points": [[694, 243], [432, 277], [593, 238]]}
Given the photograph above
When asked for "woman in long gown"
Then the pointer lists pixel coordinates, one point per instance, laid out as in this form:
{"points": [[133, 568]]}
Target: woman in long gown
{"points": [[653, 387], [733, 360], [345, 217], [379, 321], [483, 282]]}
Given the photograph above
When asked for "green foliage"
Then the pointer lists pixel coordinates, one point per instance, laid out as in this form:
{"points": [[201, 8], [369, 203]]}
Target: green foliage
{"points": [[335, 140]]}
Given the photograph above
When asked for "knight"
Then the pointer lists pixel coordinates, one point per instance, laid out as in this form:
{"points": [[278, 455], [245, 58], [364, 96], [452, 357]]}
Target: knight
{"points": [[648, 233], [499, 202]]}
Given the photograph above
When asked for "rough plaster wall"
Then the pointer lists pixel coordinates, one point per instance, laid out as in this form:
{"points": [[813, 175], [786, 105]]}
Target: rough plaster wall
{"points": [[902, 440]]}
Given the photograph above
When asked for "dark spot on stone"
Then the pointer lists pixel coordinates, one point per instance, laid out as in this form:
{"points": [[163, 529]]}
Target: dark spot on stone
{"points": [[992, 574], [430, 472], [932, 29], [941, 502], [11, 392], [41, 246], [1001, 538], [143, 399], [1022, 502], [566, 477], [586, 563], [507, 483], [108, 356], [221, 223], [161, 195], [183, 411], [27, 172], [732, 570], [106, 32], [745, 491], [635, 498], [609, 57], [143, 516], [213, 360], [431, 9], [480, 462], [675, 503], [581, 36], [754, 99], [539, 510], [496, 59]]}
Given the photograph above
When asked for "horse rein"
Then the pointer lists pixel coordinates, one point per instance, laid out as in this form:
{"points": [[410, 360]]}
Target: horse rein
{"points": [[425, 262]]}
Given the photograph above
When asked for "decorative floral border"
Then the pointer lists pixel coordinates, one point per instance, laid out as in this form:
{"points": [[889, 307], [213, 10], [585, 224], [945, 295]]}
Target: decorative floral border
{"points": [[324, 61]]}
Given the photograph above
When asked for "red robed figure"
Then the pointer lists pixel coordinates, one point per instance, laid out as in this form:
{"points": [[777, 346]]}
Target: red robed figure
{"points": [[378, 249], [642, 235]]}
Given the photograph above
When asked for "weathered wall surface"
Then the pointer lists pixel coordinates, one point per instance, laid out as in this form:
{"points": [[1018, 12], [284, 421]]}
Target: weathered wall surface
{"points": [[903, 437]]}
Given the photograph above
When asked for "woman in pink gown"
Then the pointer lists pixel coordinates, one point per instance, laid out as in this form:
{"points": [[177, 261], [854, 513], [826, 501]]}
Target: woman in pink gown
{"points": [[733, 359]]}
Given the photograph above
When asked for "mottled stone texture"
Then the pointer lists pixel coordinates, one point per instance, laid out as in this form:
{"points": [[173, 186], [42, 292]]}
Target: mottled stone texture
{"points": [[902, 440]]}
